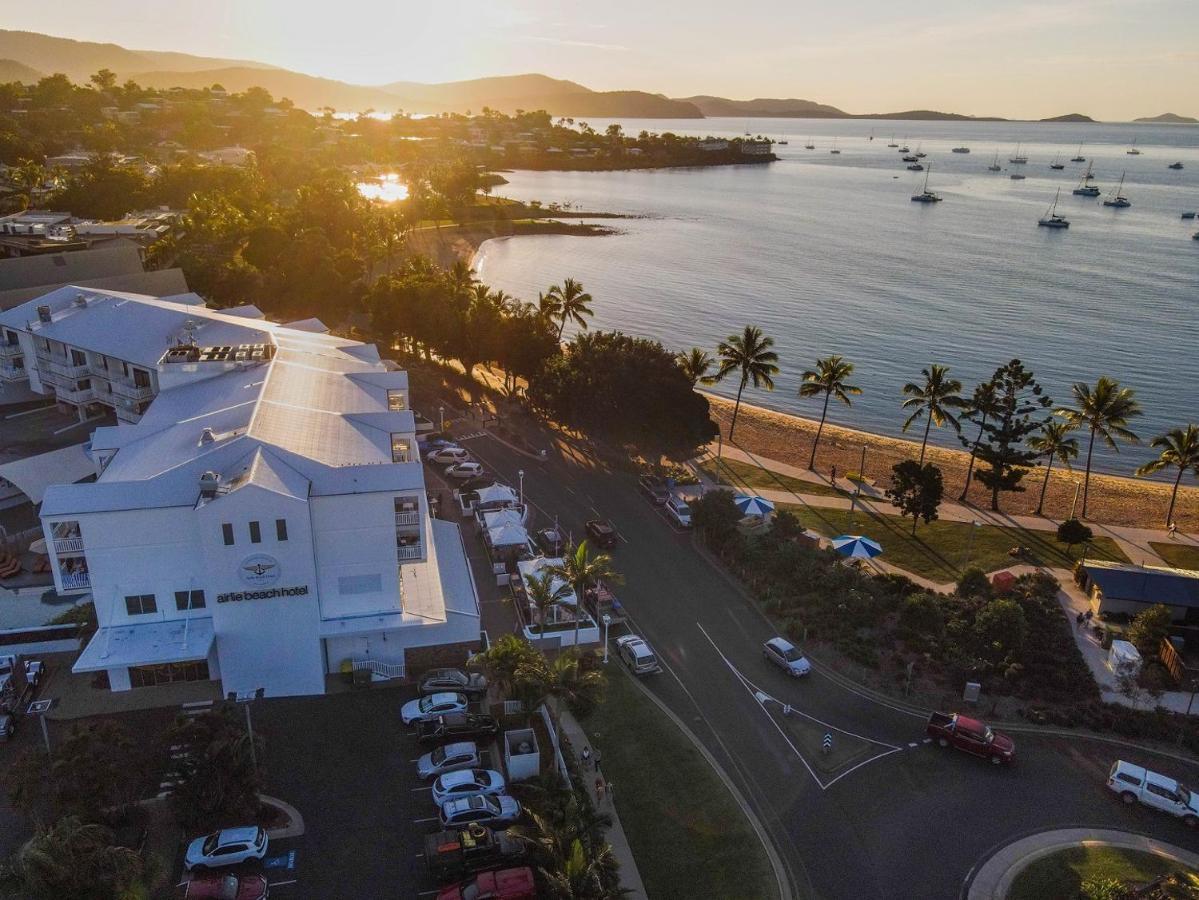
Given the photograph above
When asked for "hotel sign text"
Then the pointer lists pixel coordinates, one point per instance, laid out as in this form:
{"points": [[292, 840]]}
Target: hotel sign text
{"points": [[269, 594]]}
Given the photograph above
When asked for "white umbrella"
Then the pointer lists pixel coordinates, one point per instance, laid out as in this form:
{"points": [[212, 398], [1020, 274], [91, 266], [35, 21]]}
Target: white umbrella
{"points": [[507, 536]]}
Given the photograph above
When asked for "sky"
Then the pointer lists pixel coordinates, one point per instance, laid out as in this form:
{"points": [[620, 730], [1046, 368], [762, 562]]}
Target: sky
{"points": [[1111, 59]]}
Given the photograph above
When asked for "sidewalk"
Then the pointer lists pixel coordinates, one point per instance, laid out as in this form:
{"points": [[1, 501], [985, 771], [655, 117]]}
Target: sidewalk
{"points": [[994, 878], [630, 878]]}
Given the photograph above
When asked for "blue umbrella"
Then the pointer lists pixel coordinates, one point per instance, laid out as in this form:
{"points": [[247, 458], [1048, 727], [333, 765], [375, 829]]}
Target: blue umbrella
{"points": [[856, 546], [753, 506]]}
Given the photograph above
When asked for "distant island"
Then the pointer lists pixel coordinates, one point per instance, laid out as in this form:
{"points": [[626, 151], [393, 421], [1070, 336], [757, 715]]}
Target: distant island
{"points": [[1070, 117], [1169, 119]]}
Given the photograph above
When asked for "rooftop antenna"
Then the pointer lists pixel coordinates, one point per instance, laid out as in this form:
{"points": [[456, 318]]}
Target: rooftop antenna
{"points": [[189, 333]]}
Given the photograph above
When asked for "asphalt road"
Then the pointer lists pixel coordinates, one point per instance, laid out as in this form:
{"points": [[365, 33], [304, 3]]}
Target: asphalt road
{"points": [[908, 819]]}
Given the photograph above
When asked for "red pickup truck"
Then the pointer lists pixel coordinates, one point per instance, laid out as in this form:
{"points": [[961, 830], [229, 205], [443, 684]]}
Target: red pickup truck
{"points": [[503, 884], [972, 736]]}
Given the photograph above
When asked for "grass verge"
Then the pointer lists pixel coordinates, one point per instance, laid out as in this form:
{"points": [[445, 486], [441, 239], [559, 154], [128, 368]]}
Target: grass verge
{"points": [[742, 475], [1181, 556], [688, 835], [940, 549], [1062, 874]]}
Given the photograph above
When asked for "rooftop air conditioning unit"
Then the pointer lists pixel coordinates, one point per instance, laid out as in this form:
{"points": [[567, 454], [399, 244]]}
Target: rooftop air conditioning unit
{"points": [[43, 314], [207, 436], [208, 484], [81, 301]]}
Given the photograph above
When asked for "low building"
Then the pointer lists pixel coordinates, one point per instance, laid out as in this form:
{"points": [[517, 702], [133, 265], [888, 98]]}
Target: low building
{"points": [[264, 521], [756, 148], [1128, 589], [115, 266], [712, 145], [228, 156]]}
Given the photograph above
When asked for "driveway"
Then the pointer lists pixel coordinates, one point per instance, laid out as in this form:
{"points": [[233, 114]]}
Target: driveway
{"points": [[900, 818]]}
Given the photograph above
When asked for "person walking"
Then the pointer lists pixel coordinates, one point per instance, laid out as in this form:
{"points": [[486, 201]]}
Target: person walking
{"points": [[595, 759], [586, 756], [599, 790]]}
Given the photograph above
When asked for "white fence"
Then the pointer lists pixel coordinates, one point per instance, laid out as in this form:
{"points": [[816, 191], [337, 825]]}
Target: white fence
{"points": [[380, 669]]}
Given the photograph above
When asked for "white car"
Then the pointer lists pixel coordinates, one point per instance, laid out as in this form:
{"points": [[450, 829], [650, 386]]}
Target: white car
{"points": [[1136, 785], [226, 848], [467, 783], [449, 454], [464, 470], [677, 508], [499, 810], [637, 655], [450, 758], [431, 707], [784, 654]]}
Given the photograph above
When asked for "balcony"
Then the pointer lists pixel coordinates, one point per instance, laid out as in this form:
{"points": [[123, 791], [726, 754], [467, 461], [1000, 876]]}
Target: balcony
{"points": [[75, 395], [68, 545], [76, 581], [408, 551], [13, 373], [407, 518], [8, 351], [69, 370], [132, 391]]}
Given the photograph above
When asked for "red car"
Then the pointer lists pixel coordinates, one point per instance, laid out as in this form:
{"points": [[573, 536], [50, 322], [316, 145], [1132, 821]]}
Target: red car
{"points": [[503, 884], [971, 736], [225, 886]]}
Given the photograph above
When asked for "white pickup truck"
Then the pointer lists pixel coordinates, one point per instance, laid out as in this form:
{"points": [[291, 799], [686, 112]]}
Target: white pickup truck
{"points": [[1136, 785]]}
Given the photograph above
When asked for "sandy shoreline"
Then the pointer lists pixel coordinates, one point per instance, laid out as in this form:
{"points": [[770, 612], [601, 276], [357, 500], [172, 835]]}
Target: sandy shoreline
{"points": [[1114, 499]]}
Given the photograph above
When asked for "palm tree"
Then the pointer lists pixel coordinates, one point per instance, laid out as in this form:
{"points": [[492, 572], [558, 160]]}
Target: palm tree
{"points": [[547, 306], [696, 363], [1179, 448], [828, 378], [571, 303], [545, 591], [748, 353], [1104, 410], [935, 398], [981, 406], [1054, 442], [582, 571], [563, 680], [75, 859]]}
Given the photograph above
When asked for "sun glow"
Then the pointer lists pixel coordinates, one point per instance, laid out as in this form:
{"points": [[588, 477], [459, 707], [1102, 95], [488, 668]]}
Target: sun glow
{"points": [[386, 188]]}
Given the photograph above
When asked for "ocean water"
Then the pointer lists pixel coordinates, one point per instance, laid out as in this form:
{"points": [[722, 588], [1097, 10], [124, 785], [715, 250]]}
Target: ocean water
{"points": [[827, 254]]}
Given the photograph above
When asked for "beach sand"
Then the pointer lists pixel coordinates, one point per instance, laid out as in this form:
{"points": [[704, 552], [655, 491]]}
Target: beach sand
{"points": [[1114, 500]]}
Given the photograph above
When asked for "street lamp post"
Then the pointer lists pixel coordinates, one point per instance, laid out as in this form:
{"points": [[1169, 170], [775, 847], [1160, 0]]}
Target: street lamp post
{"points": [[857, 490], [244, 698], [1074, 505], [441, 419], [607, 620], [521, 475], [974, 526]]}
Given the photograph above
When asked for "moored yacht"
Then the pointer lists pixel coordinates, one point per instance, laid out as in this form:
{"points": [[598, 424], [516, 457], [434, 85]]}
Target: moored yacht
{"points": [[920, 154], [926, 196], [1117, 199], [1057, 164], [892, 144], [1078, 157], [809, 145], [911, 157], [1085, 189], [915, 167], [995, 167], [834, 150], [1018, 159], [1051, 219], [960, 150], [1133, 151], [1175, 165]]}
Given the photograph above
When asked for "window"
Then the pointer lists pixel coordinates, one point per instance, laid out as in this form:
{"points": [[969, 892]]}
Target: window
{"points": [[141, 378], [189, 600], [396, 401], [227, 533], [77, 358], [148, 676], [255, 533], [400, 449], [140, 604], [281, 529]]}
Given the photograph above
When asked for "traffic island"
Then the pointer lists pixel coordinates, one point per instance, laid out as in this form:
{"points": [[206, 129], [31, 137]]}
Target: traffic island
{"points": [[828, 751], [1056, 863]]}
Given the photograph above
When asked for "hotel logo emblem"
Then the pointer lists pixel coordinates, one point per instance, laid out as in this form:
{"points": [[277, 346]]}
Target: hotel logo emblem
{"points": [[259, 570]]}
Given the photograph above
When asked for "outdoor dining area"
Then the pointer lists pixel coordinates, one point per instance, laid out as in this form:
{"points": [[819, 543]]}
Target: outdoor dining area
{"points": [[562, 618]]}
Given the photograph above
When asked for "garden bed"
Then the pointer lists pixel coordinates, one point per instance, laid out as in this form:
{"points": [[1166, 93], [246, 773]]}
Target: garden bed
{"points": [[1063, 874]]}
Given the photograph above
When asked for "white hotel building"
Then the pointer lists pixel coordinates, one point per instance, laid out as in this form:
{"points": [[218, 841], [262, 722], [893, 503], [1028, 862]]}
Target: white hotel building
{"points": [[259, 517]]}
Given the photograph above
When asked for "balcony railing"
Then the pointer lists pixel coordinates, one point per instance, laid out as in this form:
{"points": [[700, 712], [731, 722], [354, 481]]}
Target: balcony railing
{"points": [[75, 395], [132, 391], [7, 351], [70, 370], [407, 518], [408, 551], [13, 373], [75, 581], [68, 545]]}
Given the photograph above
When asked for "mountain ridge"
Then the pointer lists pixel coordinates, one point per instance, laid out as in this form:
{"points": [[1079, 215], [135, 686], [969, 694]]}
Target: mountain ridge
{"points": [[1169, 119]]}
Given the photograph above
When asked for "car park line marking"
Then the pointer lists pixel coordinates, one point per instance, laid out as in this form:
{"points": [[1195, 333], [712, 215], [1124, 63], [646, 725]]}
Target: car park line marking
{"points": [[913, 744], [424, 821], [417, 790], [864, 762]]}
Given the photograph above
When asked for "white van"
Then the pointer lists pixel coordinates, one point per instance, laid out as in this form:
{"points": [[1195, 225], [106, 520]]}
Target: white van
{"points": [[676, 507]]}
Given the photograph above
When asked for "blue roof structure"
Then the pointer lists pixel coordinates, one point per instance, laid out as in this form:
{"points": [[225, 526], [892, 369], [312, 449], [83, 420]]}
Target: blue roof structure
{"points": [[1173, 587]]}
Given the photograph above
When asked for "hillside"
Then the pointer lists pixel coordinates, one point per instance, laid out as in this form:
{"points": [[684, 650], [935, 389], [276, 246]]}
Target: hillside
{"points": [[80, 59], [1070, 117], [11, 70], [305, 91], [502, 88], [930, 115], [1170, 119], [764, 108]]}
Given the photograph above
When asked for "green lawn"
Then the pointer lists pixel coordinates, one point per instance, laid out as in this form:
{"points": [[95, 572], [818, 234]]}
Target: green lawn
{"points": [[688, 835], [746, 476], [1061, 874], [940, 549], [1181, 556]]}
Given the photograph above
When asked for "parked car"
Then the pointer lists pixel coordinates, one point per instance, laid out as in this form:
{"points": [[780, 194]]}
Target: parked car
{"points": [[226, 848], [784, 654], [601, 532], [428, 444], [225, 886], [466, 783], [676, 507], [971, 736], [453, 854], [637, 655], [497, 810], [504, 884], [464, 470], [448, 758], [550, 542], [473, 684], [1134, 784], [654, 489], [432, 706], [451, 454], [456, 726]]}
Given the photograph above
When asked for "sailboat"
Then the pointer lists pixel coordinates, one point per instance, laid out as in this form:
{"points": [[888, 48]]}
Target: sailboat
{"points": [[1117, 199], [960, 150], [1133, 151], [892, 144], [871, 135], [834, 150], [1174, 165], [995, 167], [1018, 159], [919, 153], [1078, 157], [1085, 189], [809, 145], [904, 148], [1051, 219], [926, 196], [1056, 164]]}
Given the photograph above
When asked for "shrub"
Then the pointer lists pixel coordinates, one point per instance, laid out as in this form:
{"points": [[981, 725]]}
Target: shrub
{"points": [[974, 583], [1149, 629], [1072, 532]]}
